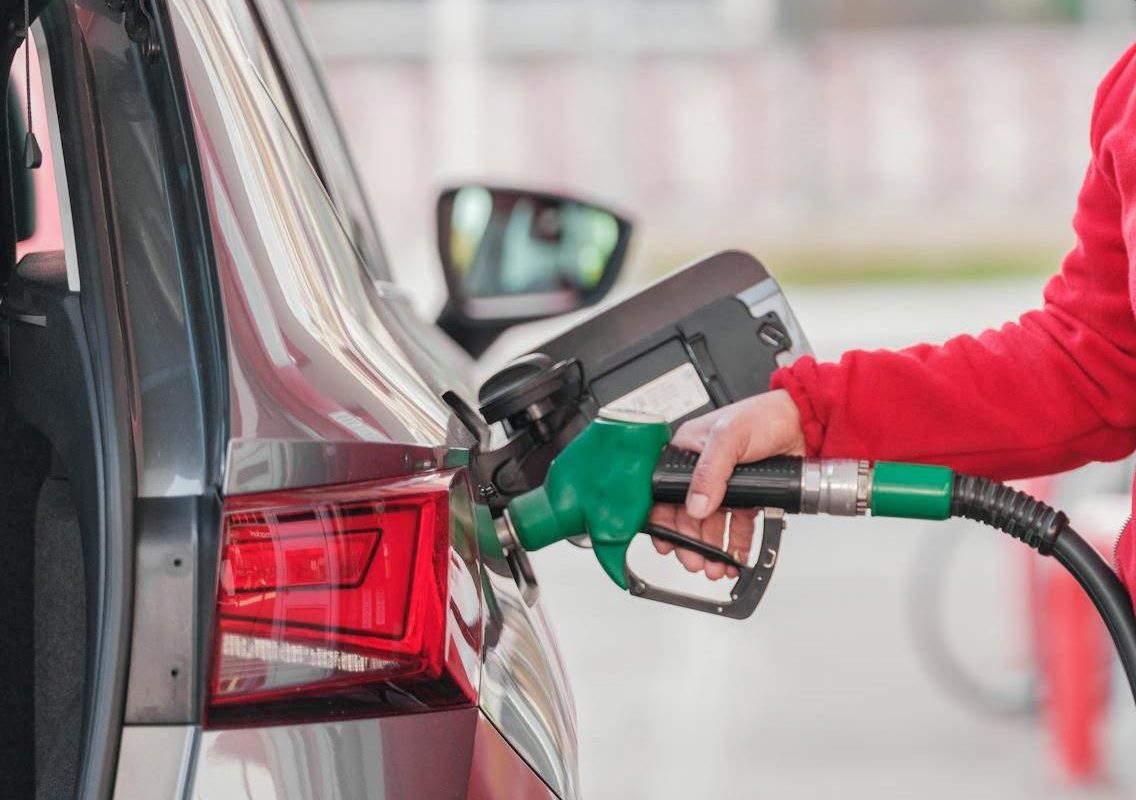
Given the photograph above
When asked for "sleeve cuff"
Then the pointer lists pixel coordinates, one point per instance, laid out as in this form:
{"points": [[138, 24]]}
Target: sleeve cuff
{"points": [[795, 379], [1124, 558]]}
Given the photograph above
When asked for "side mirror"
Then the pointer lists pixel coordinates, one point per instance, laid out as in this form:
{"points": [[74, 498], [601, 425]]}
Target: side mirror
{"points": [[512, 255]]}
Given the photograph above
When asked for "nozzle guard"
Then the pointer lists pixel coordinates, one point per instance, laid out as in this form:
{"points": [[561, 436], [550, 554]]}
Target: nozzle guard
{"points": [[602, 485], [747, 591]]}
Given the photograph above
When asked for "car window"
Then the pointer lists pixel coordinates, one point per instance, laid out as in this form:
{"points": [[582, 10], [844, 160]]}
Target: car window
{"points": [[44, 223], [291, 76], [293, 276]]}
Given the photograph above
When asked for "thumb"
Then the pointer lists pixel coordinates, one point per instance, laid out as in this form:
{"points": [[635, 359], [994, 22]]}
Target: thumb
{"points": [[725, 444], [692, 434]]}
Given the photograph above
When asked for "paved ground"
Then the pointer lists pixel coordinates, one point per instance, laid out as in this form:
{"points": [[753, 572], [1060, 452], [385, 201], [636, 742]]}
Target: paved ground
{"points": [[822, 693]]}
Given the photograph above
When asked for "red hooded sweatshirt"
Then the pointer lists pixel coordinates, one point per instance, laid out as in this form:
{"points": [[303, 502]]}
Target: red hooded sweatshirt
{"points": [[1048, 393]]}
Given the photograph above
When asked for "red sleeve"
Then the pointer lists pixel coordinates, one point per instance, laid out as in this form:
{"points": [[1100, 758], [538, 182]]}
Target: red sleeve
{"points": [[1048, 393]]}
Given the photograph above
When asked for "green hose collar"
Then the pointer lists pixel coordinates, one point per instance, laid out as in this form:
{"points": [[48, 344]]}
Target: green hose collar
{"points": [[912, 491]]}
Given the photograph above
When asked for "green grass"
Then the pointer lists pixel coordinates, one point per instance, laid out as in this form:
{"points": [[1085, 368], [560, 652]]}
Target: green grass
{"points": [[889, 264]]}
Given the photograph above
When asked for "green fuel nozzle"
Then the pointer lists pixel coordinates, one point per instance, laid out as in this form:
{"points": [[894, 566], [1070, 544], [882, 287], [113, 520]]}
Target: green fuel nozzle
{"points": [[604, 483], [599, 485]]}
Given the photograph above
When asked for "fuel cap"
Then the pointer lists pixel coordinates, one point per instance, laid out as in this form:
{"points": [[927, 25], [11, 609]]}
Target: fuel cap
{"points": [[525, 383]]}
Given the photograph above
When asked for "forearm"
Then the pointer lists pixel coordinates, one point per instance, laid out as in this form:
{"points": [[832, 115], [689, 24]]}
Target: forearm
{"points": [[976, 405], [1048, 393]]}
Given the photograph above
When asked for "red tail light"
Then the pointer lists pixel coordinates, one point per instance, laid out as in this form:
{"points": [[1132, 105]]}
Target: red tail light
{"points": [[346, 600]]}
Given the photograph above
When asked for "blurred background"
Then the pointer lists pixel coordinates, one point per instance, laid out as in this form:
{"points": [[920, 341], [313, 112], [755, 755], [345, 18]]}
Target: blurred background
{"points": [[836, 139], [907, 171]]}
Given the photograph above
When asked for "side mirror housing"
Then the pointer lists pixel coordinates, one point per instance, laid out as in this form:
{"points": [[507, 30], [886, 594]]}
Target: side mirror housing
{"points": [[514, 255]]}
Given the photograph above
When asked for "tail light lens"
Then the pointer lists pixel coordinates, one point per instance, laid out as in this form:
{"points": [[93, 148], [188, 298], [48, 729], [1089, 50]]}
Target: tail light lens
{"points": [[348, 600]]}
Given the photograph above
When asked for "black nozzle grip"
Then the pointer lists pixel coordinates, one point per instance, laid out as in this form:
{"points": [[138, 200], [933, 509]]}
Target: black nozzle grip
{"points": [[772, 483]]}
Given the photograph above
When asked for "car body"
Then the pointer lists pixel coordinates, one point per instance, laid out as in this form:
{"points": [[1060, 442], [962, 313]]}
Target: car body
{"points": [[215, 333]]}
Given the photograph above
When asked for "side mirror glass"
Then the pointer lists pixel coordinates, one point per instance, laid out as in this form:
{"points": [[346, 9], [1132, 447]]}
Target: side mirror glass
{"points": [[512, 255]]}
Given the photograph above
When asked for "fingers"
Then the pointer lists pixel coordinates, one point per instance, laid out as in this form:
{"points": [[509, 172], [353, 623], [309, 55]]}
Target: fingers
{"points": [[688, 526], [691, 435], [714, 534], [711, 530], [741, 536], [758, 427], [725, 443], [664, 516]]}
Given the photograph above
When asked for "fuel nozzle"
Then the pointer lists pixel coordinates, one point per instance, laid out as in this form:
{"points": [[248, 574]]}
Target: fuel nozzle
{"points": [[599, 485], [604, 483]]}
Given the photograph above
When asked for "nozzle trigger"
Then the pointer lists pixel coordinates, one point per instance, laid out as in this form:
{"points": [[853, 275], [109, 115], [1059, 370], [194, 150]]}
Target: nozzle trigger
{"points": [[750, 586], [694, 545]]}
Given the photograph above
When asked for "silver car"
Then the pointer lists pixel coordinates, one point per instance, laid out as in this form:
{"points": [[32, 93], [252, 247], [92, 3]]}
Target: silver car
{"points": [[243, 537]]}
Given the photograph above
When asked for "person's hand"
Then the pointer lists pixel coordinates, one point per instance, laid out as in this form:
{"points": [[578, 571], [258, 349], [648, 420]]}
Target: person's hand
{"points": [[758, 427], [712, 530]]}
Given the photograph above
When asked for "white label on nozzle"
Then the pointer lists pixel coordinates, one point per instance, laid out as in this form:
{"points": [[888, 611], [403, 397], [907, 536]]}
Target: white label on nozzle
{"points": [[672, 395]]}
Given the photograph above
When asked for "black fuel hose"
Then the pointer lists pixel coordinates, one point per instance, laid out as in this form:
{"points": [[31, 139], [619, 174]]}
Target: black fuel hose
{"points": [[1047, 530], [1107, 593]]}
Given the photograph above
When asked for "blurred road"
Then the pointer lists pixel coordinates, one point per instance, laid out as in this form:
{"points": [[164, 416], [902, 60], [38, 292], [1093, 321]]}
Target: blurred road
{"points": [[821, 694]]}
